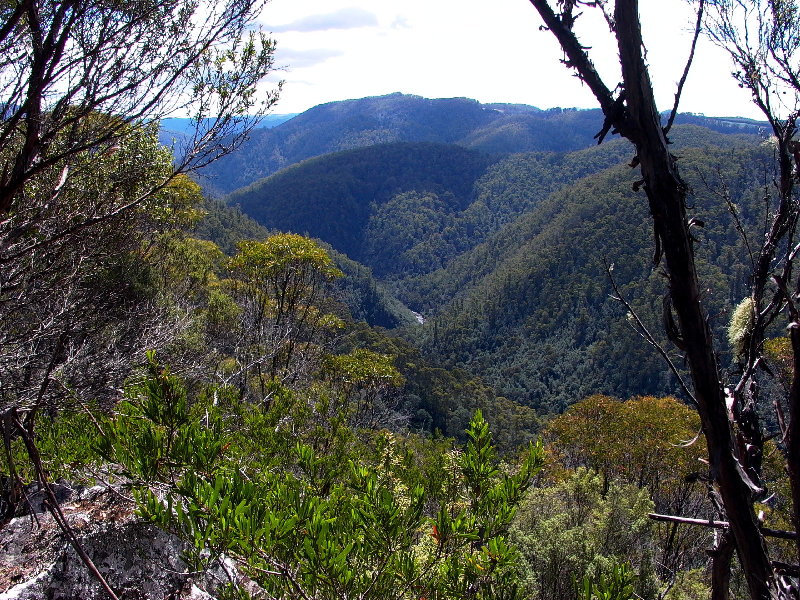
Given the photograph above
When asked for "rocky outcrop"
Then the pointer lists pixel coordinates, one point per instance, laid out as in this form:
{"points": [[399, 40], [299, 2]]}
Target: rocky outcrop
{"points": [[139, 561]]}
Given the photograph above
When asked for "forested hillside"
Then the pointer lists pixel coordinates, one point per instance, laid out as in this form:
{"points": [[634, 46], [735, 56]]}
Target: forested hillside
{"points": [[337, 197], [366, 298], [346, 125], [505, 256], [543, 325]]}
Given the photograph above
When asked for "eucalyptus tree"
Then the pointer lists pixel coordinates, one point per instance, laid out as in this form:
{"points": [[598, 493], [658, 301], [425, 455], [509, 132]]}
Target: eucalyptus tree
{"points": [[762, 38], [281, 288], [63, 62], [82, 86]]}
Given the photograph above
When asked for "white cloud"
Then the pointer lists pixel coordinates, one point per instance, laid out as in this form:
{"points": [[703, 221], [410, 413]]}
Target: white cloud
{"points": [[298, 59], [400, 22], [490, 51], [345, 18]]}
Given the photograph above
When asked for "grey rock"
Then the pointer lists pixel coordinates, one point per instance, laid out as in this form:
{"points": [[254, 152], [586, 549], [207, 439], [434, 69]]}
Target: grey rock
{"points": [[139, 560]]}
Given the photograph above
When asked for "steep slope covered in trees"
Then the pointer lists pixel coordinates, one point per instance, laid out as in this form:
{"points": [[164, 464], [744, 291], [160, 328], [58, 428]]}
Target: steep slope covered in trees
{"points": [[542, 324], [407, 209], [335, 197], [366, 298], [505, 256]]}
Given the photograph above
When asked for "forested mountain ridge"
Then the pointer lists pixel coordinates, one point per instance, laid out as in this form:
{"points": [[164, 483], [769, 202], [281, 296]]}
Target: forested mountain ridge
{"points": [[504, 255], [408, 209], [334, 197], [518, 184], [345, 125]]}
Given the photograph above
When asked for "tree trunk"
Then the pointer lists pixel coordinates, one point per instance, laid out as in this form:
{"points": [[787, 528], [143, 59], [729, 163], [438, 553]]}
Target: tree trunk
{"points": [[634, 115], [721, 556], [666, 195], [793, 433]]}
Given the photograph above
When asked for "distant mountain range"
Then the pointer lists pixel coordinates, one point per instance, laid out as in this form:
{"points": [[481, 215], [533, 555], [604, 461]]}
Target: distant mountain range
{"points": [[491, 128], [175, 128]]}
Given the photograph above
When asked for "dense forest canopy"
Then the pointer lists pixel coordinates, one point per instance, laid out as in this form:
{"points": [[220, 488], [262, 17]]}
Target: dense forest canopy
{"points": [[504, 256]]}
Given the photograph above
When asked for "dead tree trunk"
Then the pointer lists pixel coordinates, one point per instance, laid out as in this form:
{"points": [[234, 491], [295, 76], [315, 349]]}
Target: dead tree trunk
{"points": [[634, 115], [721, 557]]}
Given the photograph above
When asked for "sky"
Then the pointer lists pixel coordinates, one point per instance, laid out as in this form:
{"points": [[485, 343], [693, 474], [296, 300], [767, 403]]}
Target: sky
{"points": [[487, 50]]}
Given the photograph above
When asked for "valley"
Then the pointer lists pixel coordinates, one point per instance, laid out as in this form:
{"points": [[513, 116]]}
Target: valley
{"points": [[398, 347], [503, 246]]}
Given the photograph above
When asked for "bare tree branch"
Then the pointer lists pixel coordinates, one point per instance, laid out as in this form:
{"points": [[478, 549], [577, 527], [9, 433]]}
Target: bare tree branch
{"points": [[697, 29]]}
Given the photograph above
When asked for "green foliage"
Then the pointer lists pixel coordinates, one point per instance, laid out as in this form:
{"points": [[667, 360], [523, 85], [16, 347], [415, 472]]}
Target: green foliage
{"points": [[640, 441], [530, 309], [272, 453], [273, 314], [305, 527], [65, 444], [365, 297], [581, 529], [184, 269], [505, 258], [362, 368], [616, 585], [225, 226], [443, 400], [689, 585], [286, 256], [334, 197], [79, 239], [156, 435], [415, 232], [653, 444]]}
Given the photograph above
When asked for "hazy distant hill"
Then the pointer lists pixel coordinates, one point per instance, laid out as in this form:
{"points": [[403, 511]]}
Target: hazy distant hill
{"points": [[174, 130], [493, 128], [184, 126]]}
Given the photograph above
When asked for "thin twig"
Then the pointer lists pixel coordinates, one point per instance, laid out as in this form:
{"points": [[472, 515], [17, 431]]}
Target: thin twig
{"points": [[697, 28], [642, 330], [53, 505]]}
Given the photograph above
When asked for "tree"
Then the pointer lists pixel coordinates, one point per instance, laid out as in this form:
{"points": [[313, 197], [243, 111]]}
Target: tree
{"points": [[366, 380], [81, 170], [84, 181], [632, 113], [280, 285], [82, 174], [69, 299], [762, 38], [62, 63], [582, 527], [650, 443]]}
